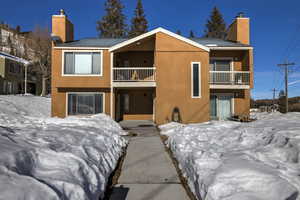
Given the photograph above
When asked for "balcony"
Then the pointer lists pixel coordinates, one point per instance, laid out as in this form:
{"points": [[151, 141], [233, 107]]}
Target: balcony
{"points": [[134, 76], [229, 79]]}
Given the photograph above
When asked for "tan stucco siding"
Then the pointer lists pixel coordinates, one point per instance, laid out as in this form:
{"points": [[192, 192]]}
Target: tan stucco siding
{"points": [[135, 58], [63, 28], [242, 60], [62, 84], [241, 100], [242, 103], [239, 31], [173, 60], [2, 67], [59, 99], [79, 81]]}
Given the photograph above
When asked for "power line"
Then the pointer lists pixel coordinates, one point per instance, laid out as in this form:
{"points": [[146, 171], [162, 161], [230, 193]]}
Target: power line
{"points": [[294, 82]]}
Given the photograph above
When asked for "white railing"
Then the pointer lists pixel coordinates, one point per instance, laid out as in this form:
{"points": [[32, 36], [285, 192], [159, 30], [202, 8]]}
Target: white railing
{"points": [[229, 77], [134, 74]]}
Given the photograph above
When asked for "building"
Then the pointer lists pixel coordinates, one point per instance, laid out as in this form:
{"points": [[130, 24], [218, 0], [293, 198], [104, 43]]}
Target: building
{"points": [[12, 74], [12, 41], [159, 76]]}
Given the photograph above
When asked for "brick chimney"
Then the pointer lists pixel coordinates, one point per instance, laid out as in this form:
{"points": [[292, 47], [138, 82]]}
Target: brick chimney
{"points": [[239, 30], [62, 27]]}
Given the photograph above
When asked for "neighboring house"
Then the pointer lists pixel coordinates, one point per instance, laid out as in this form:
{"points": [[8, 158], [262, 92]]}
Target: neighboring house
{"points": [[12, 41], [159, 76], [11, 74]]}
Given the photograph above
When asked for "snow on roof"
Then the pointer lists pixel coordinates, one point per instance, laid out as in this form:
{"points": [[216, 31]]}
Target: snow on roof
{"points": [[14, 58]]}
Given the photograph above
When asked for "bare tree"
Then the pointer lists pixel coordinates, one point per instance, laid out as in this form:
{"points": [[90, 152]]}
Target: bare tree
{"points": [[39, 43]]}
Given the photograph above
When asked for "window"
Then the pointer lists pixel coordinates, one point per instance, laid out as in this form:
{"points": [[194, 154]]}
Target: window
{"points": [[15, 68], [85, 103], [196, 80], [220, 65], [82, 63]]}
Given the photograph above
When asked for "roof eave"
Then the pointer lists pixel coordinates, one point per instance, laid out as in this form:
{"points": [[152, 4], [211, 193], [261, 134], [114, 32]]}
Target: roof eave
{"points": [[150, 33], [230, 48], [79, 48]]}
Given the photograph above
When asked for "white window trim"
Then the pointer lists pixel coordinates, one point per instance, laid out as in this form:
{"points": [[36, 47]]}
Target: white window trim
{"points": [[192, 81], [67, 105], [225, 94], [225, 58], [75, 51]]}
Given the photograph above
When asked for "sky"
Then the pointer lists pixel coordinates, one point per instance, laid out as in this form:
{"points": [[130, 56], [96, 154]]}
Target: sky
{"points": [[275, 27]]}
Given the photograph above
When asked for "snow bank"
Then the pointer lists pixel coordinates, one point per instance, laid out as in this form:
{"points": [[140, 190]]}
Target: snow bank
{"points": [[52, 158], [233, 161]]}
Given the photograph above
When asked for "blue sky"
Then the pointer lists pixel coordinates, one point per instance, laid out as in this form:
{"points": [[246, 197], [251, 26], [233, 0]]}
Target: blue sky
{"points": [[275, 27]]}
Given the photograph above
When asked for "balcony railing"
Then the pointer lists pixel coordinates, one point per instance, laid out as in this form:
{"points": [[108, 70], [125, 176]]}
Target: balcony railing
{"points": [[230, 77], [134, 74]]}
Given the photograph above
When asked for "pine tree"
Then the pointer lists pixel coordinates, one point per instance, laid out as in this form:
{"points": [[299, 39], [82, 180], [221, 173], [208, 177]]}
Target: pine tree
{"points": [[178, 32], [192, 34], [18, 29], [139, 24], [112, 25], [215, 27]]}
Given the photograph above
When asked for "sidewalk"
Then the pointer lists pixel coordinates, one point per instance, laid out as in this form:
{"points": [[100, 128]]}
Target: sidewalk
{"points": [[147, 172]]}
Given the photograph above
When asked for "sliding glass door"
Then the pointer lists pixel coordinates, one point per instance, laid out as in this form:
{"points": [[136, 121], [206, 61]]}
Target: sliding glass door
{"points": [[221, 106]]}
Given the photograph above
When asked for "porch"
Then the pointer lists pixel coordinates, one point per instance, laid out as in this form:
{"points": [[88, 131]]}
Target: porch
{"points": [[134, 104], [133, 65]]}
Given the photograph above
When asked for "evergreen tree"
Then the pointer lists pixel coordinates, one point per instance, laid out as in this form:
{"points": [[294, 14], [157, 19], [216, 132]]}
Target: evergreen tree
{"points": [[178, 32], [215, 27], [192, 34], [112, 25], [18, 29], [139, 24]]}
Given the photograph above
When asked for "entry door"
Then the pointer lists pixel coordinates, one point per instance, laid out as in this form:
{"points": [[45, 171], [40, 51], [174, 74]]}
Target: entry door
{"points": [[224, 105]]}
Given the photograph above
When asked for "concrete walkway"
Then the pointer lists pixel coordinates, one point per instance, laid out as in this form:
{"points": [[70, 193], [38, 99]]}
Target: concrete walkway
{"points": [[147, 172]]}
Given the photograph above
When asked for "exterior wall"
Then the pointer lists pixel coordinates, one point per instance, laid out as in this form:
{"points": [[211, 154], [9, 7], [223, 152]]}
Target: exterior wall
{"points": [[239, 30], [2, 67], [79, 81], [173, 61], [16, 79], [62, 28], [241, 100], [63, 84], [140, 103], [242, 60], [135, 58], [59, 99], [146, 44]]}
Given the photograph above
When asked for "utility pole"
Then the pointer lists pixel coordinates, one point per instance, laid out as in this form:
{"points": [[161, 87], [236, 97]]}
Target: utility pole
{"points": [[286, 66], [274, 94]]}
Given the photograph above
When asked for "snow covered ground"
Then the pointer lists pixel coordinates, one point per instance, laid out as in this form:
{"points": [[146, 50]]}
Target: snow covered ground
{"points": [[234, 161], [52, 158]]}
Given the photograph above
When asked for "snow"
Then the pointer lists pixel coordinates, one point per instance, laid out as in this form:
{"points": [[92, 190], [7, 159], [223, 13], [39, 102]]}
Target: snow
{"points": [[53, 158], [225, 160]]}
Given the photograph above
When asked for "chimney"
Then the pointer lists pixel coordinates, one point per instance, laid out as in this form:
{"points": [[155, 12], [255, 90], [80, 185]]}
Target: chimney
{"points": [[62, 27], [239, 30]]}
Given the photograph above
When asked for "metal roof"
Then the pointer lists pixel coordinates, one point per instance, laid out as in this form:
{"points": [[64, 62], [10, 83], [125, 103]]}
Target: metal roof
{"points": [[93, 42], [109, 42], [210, 42], [14, 58]]}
